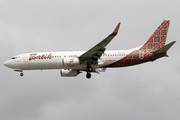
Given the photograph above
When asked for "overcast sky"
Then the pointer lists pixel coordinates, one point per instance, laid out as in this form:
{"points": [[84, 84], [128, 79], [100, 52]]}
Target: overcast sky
{"points": [[143, 92]]}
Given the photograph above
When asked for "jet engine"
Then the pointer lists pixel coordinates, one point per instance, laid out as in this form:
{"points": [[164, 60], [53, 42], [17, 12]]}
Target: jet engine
{"points": [[70, 62], [69, 73]]}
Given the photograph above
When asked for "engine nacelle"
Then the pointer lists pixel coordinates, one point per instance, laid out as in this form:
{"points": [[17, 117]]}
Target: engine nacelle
{"points": [[71, 61], [69, 72]]}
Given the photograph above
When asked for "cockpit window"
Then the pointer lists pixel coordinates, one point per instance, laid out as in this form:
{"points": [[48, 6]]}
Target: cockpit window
{"points": [[13, 57]]}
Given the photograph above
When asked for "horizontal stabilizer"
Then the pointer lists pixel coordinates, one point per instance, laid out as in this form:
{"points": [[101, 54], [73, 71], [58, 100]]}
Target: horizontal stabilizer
{"points": [[165, 48]]}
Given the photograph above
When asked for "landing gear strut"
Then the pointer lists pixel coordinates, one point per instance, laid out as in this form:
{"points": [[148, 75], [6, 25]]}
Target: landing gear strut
{"points": [[89, 70], [19, 70]]}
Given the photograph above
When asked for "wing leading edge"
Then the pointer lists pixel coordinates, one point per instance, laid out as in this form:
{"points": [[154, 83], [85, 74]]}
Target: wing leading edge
{"points": [[95, 53]]}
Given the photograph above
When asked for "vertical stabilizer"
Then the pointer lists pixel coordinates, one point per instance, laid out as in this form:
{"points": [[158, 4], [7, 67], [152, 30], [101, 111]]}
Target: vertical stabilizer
{"points": [[158, 38]]}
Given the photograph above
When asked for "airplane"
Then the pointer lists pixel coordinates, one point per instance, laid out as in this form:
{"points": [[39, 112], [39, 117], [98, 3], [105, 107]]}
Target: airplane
{"points": [[96, 59]]}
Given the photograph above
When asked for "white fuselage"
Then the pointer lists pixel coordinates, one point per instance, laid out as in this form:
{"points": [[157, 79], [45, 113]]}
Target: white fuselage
{"points": [[55, 60], [96, 59]]}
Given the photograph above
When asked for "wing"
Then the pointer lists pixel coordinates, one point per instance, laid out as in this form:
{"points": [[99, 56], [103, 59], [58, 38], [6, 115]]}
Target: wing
{"points": [[95, 53]]}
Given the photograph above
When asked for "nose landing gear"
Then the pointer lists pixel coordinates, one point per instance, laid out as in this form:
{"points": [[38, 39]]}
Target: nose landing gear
{"points": [[21, 74], [19, 70]]}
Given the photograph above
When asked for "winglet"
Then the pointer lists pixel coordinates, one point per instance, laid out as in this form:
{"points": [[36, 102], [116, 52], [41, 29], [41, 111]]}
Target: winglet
{"points": [[116, 30]]}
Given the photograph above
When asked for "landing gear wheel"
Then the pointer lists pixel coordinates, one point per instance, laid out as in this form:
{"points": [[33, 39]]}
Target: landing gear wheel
{"points": [[88, 75], [21, 74], [89, 69]]}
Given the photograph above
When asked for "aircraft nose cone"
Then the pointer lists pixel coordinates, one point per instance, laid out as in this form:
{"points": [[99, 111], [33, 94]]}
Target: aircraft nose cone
{"points": [[6, 63]]}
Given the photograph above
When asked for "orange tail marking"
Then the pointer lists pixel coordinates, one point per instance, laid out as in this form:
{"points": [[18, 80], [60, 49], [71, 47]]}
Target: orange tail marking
{"points": [[158, 38]]}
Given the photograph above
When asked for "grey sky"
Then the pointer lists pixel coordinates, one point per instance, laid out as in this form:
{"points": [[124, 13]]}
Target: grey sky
{"points": [[143, 92]]}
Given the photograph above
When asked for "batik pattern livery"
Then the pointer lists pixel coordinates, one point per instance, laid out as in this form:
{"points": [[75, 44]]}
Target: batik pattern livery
{"points": [[136, 58], [145, 53], [158, 38]]}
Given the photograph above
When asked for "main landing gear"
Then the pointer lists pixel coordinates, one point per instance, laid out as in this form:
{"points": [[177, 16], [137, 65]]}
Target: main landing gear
{"points": [[88, 75], [89, 70]]}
